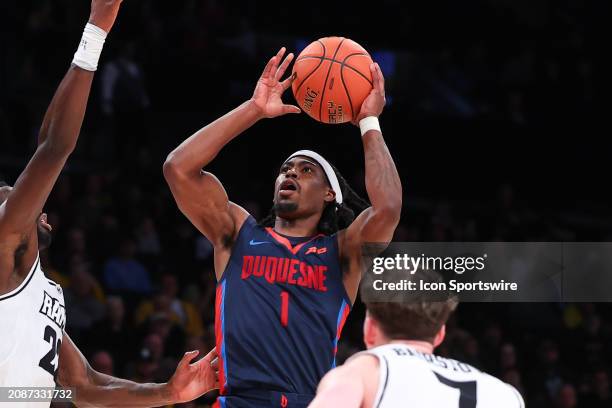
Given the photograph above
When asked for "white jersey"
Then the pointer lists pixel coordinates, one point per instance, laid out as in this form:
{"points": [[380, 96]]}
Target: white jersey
{"points": [[409, 378], [32, 321]]}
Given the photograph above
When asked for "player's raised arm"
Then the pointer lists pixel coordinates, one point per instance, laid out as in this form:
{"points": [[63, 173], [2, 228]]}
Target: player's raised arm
{"points": [[199, 194], [60, 128], [94, 389], [377, 223]]}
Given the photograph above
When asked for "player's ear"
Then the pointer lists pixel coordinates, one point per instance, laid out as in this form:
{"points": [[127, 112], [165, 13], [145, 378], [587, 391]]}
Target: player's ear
{"points": [[330, 196], [370, 329], [440, 336]]}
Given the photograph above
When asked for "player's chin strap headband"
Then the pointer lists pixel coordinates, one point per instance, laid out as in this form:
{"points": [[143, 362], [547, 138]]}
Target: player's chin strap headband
{"points": [[327, 168]]}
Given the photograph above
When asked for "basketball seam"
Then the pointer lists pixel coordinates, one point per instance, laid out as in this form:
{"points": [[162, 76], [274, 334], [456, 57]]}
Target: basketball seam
{"points": [[338, 62], [348, 95], [327, 77], [311, 72], [301, 57], [344, 83]]}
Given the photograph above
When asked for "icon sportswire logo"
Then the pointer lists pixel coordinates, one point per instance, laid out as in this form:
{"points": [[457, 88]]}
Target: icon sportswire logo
{"points": [[253, 242]]}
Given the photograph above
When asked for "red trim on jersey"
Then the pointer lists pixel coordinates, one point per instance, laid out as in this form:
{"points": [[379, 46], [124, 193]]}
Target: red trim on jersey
{"points": [[219, 337], [284, 241], [345, 314]]}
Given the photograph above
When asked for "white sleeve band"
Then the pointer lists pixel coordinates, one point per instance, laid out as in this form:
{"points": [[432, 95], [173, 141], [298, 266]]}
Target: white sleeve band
{"points": [[90, 48], [369, 123]]}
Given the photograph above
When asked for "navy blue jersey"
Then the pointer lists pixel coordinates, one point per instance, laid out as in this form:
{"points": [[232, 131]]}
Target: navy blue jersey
{"points": [[279, 312]]}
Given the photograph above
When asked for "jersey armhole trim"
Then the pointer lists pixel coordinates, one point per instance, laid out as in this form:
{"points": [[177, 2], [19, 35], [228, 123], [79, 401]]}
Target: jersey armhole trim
{"points": [[383, 376], [25, 282], [345, 294], [380, 394]]}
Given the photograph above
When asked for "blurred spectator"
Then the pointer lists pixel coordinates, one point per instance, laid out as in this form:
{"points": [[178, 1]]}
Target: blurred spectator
{"points": [[507, 359], [566, 397], [549, 374], [83, 309], [77, 244], [124, 273], [102, 362], [179, 311], [114, 333], [204, 249], [123, 87], [145, 367], [163, 322], [147, 238], [598, 392]]}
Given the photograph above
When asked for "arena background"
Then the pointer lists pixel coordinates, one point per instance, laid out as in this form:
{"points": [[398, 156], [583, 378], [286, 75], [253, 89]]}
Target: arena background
{"points": [[492, 119]]}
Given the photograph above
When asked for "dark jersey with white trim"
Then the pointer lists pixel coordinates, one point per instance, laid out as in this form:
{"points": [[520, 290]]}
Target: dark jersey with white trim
{"points": [[280, 308]]}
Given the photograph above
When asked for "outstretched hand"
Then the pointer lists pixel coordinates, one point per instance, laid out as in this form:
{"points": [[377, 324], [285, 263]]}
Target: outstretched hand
{"points": [[374, 103], [269, 90], [190, 381]]}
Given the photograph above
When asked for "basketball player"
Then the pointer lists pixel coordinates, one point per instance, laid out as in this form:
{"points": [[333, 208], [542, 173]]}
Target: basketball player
{"points": [[399, 368], [285, 285], [34, 347]]}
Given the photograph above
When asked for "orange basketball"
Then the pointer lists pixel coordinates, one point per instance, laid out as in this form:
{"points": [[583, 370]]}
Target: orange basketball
{"points": [[332, 79]]}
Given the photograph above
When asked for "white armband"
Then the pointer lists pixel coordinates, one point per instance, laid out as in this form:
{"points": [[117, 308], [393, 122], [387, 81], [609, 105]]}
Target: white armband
{"points": [[90, 48], [369, 123]]}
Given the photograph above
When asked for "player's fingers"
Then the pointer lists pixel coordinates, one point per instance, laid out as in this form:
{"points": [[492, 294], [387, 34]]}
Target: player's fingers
{"points": [[375, 74], [269, 67], [291, 109], [211, 355], [283, 66], [215, 363], [187, 357], [280, 53], [286, 84], [381, 79]]}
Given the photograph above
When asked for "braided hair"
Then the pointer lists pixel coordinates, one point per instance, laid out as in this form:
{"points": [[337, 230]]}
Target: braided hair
{"points": [[335, 216]]}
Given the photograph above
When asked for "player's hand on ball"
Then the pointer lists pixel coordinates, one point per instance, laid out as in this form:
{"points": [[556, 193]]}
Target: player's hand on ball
{"points": [[103, 13], [190, 381], [375, 102], [269, 90]]}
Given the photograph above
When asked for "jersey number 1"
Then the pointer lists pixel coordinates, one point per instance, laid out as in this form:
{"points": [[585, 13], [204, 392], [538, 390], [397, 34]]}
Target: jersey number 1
{"points": [[284, 315], [47, 361], [467, 390]]}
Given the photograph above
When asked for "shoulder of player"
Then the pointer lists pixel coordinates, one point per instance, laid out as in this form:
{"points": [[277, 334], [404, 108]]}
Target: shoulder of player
{"points": [[364, 365], [501, 386], [361, 366]]}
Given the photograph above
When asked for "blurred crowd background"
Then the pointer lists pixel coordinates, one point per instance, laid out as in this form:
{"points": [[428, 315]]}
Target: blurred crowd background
{"points": [[493, 120]]}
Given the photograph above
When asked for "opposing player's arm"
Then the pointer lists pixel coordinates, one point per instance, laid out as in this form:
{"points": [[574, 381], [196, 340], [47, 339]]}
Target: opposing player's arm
{"points": [[57, 138], [94, 389], [199, 194], [351, 385], [376, 223]]}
